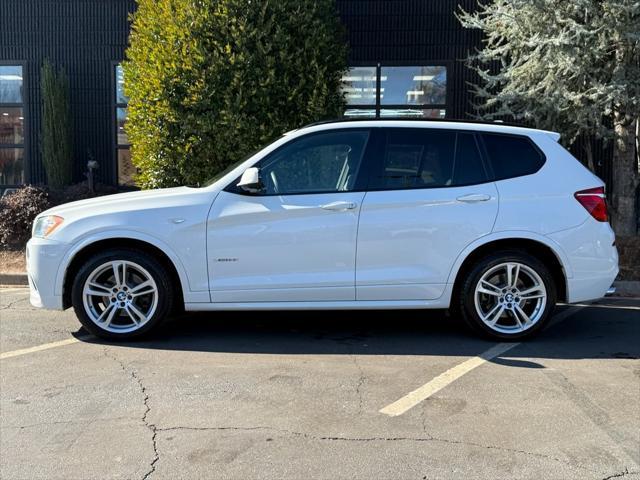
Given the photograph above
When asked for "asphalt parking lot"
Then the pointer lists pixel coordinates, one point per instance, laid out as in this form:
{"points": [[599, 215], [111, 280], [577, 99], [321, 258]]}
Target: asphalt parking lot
{"points": [[320, 395]]}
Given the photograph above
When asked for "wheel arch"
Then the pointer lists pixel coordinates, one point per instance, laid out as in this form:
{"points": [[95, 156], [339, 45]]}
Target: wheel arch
{"points": [[542, 249], [84, 251]]}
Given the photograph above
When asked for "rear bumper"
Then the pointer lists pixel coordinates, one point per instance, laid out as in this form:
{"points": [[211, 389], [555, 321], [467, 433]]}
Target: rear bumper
{"points": [[594, 259], [43, 260]]}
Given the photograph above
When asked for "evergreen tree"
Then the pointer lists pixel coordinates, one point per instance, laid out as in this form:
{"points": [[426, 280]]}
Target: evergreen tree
{"points": [[571, 66], [210, 81], [55, 138]]}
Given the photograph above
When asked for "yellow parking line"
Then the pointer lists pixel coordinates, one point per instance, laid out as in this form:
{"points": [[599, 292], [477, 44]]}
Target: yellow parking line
{"points": [[419, 395], [13, 290], [39, 348]]}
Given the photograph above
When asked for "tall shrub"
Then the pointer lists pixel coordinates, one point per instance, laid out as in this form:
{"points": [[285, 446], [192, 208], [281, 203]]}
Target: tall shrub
{"points": [[212, 80], [56, 126]]}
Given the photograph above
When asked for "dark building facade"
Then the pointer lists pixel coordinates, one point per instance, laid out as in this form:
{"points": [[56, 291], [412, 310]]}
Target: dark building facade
{"points": [[407, 59]]}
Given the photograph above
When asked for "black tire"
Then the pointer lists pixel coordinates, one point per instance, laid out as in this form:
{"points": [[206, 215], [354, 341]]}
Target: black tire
{"points": [[159, 273], [465, 297]]}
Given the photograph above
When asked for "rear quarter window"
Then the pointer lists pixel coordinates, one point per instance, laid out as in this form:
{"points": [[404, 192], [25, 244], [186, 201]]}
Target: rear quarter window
{"points": [[512, 155]]}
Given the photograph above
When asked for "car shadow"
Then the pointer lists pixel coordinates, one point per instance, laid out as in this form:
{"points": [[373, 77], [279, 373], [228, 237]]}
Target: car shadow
{"points": [[605, 331]]}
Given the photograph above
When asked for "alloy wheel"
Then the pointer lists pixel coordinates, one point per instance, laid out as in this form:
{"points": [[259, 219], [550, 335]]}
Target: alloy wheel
{"points": [[120, 296], [510, 297]]}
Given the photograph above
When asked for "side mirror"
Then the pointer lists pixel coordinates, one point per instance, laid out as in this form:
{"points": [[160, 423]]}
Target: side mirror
{"points": [[250, 180]]}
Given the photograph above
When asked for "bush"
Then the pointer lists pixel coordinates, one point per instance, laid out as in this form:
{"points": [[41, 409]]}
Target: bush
{"points": [[17, 211], [238, 75]]}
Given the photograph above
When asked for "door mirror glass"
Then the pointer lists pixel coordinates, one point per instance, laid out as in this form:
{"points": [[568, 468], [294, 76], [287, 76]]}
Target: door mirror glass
{"points": [[250, 180]]}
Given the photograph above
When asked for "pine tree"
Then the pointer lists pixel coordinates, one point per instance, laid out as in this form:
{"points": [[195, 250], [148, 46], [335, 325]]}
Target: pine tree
{"points": [[210, 81], [571, 66]]}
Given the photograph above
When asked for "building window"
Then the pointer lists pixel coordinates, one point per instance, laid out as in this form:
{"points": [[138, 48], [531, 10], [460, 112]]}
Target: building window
{"points": [[12, 136], [126, 170], [392, 91]]}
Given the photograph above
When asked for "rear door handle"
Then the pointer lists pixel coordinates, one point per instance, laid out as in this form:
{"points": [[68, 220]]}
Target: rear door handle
{"points": [[339, 206], [474, 198]]}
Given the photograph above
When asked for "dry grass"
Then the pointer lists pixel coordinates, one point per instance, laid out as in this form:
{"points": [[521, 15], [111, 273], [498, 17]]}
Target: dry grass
{"points": [[12, 261]]}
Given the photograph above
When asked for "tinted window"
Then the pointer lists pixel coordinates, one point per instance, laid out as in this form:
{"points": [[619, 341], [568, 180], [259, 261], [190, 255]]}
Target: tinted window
{"points": [[421, 158], [325, 162], [468, 168], [512, 156]]}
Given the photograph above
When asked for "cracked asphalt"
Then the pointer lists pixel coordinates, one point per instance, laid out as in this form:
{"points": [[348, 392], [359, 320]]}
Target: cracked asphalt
{"points": [[297, 395]]}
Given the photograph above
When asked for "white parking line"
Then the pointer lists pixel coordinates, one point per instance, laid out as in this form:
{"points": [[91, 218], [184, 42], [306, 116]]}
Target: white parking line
{"points": [[39, 348], [619, 307], [444, 379]]}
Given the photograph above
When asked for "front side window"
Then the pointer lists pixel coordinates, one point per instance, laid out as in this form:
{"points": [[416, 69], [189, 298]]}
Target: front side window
{"points": [[511, 155], [318, 163], [428, 158], [11, 125]]}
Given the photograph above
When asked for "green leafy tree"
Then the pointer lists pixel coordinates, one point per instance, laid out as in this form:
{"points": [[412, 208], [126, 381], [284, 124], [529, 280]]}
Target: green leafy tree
{"points": [[55, 138], [571, 66], [210, 81]]}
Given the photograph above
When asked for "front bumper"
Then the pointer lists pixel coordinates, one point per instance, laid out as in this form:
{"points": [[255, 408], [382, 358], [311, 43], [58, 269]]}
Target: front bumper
{"points": [[43, 261]]}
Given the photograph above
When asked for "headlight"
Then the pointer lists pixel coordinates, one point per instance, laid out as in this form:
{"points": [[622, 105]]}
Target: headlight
{"points": [[44, 226]]}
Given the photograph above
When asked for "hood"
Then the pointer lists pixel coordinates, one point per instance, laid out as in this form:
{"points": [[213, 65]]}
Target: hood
{"points": [[122, 202]]}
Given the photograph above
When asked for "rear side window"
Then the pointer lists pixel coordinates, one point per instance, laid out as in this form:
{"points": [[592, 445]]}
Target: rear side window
{"points": [[512, 156], [428, 158]]}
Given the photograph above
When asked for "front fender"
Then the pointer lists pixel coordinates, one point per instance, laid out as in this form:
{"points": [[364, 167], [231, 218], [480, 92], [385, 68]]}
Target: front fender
{"points": [[96, 236]]}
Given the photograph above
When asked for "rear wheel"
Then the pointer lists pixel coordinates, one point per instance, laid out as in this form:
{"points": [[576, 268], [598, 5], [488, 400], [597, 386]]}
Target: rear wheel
{"points": [[507, 295], [121, 294]]}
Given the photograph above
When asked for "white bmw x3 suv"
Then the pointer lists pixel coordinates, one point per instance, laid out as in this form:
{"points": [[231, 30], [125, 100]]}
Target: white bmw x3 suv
{"points": [[497, 223]]}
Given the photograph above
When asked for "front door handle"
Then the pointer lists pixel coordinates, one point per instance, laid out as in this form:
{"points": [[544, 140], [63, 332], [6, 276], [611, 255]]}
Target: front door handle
{"points": [[474, 198], [339, 206]]}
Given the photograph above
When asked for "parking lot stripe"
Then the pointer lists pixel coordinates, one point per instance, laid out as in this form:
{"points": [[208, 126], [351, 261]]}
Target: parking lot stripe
{"points": [[14, 290], [38, 348], [444, 379], [620, 307], [420, 394]]}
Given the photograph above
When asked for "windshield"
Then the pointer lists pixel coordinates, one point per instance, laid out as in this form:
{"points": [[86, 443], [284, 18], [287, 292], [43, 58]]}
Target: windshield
{"points": [[221, 174]]}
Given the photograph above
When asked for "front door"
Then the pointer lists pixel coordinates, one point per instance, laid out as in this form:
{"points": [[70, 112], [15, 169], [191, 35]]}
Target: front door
{"points": [[295, 240], [430, 197]]}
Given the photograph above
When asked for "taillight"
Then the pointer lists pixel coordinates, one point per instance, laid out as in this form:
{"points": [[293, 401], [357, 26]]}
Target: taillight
{"points": [[593, 200]]}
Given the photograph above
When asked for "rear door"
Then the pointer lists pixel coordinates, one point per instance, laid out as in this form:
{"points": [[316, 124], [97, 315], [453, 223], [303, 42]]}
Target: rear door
{"points": [[429, 197]]}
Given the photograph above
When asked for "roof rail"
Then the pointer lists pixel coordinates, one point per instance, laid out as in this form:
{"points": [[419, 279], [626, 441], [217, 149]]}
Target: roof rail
{"points": [[405, 119]]}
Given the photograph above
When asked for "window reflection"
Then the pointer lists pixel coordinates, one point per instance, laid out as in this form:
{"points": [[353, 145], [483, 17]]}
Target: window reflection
{"points": [[120, 95], [11, 166], [126, 169], [10, 84], [359, 86], [413, 112], [414, 85], [11, 125], [121, 118], [404, 91]]}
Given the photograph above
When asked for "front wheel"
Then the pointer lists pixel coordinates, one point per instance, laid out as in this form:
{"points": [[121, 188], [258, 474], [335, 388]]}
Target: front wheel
{"points": [[121, 294], [508, 295]]}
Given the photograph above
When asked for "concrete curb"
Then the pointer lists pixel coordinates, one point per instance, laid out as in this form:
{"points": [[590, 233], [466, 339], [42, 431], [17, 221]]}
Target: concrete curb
{"points": [[14, 279], [626, 288], [623, 288]]}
